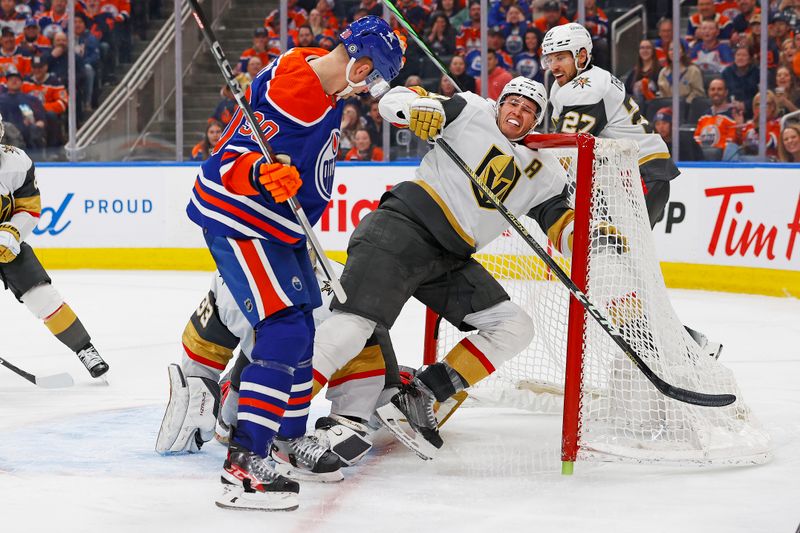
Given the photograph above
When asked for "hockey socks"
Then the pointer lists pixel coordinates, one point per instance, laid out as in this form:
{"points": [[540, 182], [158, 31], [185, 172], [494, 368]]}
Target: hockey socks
{"points": [[65, 325], [295, 418], [263, 396]]}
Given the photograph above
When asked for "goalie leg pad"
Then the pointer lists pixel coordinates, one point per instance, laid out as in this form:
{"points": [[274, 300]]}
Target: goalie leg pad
{"points": [[191, 413]]}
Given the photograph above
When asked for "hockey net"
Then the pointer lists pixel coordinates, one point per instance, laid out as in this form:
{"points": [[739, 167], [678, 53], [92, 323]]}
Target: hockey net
{"points": [[614, 412]]}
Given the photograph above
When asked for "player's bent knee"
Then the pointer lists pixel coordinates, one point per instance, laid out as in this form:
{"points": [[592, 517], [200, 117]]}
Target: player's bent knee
{"points": [[282, 337], [42, 300], [510, 332], [338, 340]]}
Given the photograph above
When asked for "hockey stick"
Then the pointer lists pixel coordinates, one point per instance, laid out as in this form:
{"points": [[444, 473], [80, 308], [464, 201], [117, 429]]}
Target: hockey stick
{"points": [[55, 381], [233, 85], [671, 391]]}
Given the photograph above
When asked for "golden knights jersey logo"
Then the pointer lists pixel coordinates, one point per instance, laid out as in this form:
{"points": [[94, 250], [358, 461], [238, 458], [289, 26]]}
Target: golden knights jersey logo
{"points": [[499, 172], [6, 207], [581, 82]]}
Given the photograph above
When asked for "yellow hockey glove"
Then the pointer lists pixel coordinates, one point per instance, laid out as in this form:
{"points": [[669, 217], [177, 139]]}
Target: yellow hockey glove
{"points": [[427, 117]]}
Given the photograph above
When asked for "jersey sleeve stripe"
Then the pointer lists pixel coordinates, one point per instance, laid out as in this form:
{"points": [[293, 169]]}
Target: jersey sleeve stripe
{"points": [[250, 204], [243, 215], [357, 375]]}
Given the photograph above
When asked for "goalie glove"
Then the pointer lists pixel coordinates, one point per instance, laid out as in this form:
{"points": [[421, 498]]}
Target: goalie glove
{"points": [[427, 117], [605, 235], [9, 242], [280, 179]]}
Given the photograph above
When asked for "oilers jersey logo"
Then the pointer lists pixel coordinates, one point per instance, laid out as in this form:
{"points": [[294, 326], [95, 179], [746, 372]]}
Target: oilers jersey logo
{"points": [[499, 172], [326, 164]]}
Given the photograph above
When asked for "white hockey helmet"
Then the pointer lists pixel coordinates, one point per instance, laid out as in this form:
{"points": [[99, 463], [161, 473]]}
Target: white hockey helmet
{"points": [[2, 129], [533, 90], [567, 38]]}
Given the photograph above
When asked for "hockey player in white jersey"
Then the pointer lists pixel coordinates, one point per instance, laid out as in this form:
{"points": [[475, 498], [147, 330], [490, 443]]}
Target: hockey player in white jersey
{"points": [[589, 99], [20, 269], [212, 334], [420, 240]]}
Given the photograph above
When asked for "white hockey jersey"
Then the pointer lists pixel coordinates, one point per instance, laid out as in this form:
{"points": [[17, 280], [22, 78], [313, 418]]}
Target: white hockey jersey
{"points": [[20, 203], [595, 102], [520, 177]]}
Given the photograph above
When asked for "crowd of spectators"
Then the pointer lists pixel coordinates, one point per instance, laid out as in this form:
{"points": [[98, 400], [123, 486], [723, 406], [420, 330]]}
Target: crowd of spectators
{"points": [[718, 79], [34, 58], [450, 27]]}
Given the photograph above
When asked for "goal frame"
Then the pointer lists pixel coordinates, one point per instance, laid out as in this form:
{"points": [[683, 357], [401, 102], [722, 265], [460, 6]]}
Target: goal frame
{"points": [[585, 144]]}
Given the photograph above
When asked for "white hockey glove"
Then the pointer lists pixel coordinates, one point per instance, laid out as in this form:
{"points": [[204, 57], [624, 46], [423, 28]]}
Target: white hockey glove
{"points": [[9, 242], [191, 413], [427, 117]]}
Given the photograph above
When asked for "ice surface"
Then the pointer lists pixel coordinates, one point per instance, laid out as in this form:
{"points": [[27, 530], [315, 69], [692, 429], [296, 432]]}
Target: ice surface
{"points": [[81, 459]]}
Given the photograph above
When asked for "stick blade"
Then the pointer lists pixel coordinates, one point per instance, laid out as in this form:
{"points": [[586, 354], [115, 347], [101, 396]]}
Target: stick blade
{"points": [[699, 398], [55, 381]]}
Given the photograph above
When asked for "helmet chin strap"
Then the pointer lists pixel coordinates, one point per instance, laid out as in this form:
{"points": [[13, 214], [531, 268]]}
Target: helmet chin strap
{"points": [[347, 91], [577, 66]]}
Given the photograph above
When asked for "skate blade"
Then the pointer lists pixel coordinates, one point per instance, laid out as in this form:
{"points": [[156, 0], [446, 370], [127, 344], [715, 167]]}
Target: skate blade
{"points": [[237, 499], [298, 474], [390, 416]]}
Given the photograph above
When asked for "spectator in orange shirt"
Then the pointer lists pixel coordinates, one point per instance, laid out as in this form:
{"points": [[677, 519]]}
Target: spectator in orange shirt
{"points": [[469, 35], [498, 77], [551, 18], [363, 149], [716, 127], [260, 48], [31, 42], [202, 150], [10, 57], [707, 12], [789, 148], [664, 40]]}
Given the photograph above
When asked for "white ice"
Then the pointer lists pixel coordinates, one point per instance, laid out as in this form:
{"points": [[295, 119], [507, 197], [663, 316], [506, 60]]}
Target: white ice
{"points": [[81, 459]]}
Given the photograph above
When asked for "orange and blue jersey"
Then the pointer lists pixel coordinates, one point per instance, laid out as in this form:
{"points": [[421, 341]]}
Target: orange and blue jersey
{"points": [[298, 119]]}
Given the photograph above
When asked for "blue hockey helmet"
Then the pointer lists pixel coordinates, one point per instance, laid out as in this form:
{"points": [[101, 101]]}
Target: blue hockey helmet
{"points": [[372, 37]]}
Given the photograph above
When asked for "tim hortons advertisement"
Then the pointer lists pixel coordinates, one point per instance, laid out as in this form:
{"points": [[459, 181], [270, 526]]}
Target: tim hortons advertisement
{"points": [[716, 216], [733, 216]]}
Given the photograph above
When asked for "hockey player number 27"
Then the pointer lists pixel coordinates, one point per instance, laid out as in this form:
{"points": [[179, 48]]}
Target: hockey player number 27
{"points": [[575, 122]]}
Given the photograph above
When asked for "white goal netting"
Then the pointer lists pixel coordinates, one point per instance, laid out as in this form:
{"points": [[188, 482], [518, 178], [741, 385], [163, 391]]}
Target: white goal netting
{"points": [[621, 415]]}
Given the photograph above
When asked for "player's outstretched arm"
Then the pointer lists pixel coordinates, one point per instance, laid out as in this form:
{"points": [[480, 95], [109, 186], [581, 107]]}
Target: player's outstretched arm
{"points": [[424, 113]]}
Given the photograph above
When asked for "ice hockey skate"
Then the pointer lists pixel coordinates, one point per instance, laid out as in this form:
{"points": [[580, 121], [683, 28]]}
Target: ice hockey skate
{"points": [[346, 438], [414, 405], [92, 361], [305, 459], [252, 484]]}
